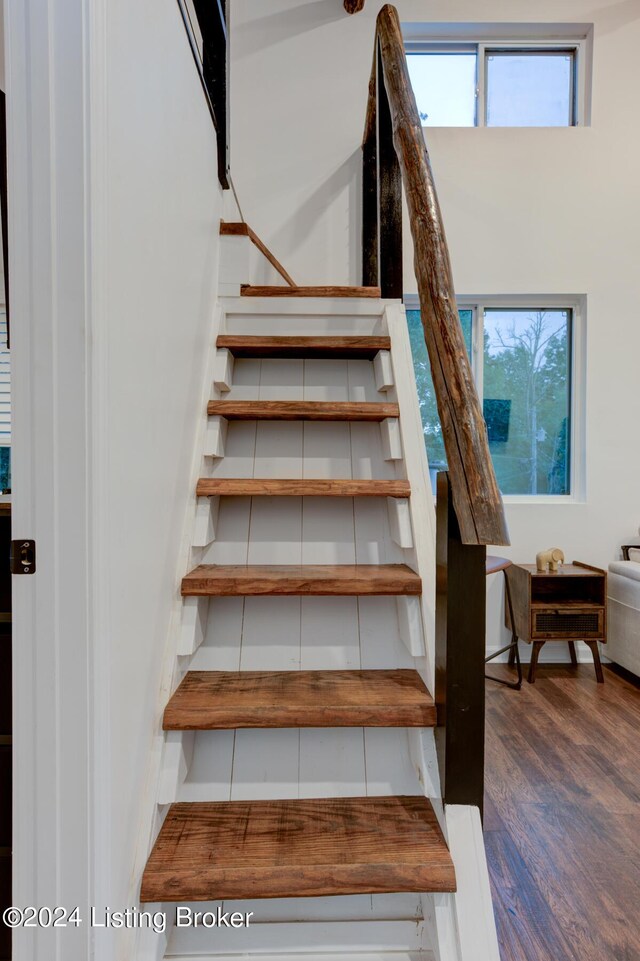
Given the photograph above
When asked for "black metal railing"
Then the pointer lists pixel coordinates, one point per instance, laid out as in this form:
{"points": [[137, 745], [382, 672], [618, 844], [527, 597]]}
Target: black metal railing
{"points": [[208, 39]]}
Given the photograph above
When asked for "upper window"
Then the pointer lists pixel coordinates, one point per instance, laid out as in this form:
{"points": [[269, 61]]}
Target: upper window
{"points": [[522, 361], [495, 85]]}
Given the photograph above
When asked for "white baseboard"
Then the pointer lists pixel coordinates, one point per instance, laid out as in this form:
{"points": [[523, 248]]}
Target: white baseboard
{"points": [[553, 652], [334, 956], [472, 904]]}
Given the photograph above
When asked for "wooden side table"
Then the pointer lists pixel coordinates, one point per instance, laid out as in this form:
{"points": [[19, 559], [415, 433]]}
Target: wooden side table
{"points": [[566, 605]]}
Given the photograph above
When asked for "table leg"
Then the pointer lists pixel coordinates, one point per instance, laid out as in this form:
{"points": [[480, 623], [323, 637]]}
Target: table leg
{"points": [[572, 653], [535, 653], [593, 645]]}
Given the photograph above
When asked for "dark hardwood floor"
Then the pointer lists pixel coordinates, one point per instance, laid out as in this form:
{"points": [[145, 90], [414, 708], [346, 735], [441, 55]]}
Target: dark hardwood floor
{"points": [[562, 815]]}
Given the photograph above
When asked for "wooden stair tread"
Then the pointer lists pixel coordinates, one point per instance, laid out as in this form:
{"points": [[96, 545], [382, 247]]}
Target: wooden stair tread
{"points": [[301, 410], [248, 290], [336, 348], [223, 700], [302, 487], [308, 847], [243, 580]]}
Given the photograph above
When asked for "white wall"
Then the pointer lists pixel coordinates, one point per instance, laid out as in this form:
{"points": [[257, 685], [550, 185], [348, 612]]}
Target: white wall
{"points": [[163, 207], [114, 211], [526, 211]]}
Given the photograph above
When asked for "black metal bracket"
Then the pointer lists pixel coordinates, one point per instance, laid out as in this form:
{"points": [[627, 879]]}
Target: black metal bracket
{"points": [[23, 557], [460, 652]]}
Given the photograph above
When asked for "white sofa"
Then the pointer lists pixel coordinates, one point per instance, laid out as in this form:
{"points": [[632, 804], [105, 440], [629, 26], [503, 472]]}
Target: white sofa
{"points": [[623, 613]]}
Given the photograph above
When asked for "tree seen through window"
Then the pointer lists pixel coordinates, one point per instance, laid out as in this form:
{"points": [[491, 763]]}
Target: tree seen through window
{"points": [[525, 372]]}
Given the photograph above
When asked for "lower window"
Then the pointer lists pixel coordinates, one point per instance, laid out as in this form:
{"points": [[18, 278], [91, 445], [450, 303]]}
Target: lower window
{"points": [[521, 358]]}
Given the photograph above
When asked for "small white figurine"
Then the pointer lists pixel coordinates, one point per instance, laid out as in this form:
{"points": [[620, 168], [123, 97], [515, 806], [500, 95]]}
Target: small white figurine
{"points": [[548, 560]]}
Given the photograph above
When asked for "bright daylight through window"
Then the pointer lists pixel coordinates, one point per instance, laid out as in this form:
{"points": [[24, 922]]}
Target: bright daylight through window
{"points": [[481, 85], [521, 360]]}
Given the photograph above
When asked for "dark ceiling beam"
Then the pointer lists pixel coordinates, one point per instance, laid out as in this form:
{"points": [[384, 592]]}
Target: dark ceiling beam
{"points": [[353, 6]]}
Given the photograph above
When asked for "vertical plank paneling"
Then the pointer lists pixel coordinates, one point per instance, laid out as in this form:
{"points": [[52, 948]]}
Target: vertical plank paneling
{"points": [[220, 650], [239, 451], [271, 634], [276, 528], [332, 762], [209, 777], [326, 381], [327, 529], [380, 643], [361, 380], [265, 765], [279, 449], [327, 450], [281, 379], [330, 636], [232, 533], [246, 379]]}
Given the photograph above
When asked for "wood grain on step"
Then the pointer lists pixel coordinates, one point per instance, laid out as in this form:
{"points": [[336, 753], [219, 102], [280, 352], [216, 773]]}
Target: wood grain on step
{"points": [[218, 700], [300, 579], [302, 487], [358, 348], [302, 410], [275, 291], [297, 848]]}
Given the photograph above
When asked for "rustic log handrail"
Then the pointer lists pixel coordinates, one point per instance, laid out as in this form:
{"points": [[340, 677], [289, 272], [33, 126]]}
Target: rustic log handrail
{"points": [[392, 115]]}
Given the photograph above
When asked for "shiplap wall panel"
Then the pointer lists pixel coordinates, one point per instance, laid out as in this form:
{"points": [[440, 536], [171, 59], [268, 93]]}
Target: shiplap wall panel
{"points": [[362, 384], [327, 450], [359, 907], [330, 634], [367, 455], [266, 765], [372, 940], [326, 380], [246, 379], [380, 644], [332, 762], [281, 379], [389, 766], [220, 650], [279, 449], [328, 531], [239, 451], [275, 531], [271, 634], [209, 777], [373, 540], [232, 532]]}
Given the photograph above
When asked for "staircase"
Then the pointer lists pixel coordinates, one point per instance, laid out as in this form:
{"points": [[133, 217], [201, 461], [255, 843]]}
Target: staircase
{"points": [[299, 775]]}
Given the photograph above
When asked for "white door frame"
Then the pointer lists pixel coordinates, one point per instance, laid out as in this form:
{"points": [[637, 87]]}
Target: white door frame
{"points": [[55, 141]]}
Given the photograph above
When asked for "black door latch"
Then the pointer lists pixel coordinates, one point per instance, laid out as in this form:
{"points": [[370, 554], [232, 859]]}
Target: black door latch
{"points": [[23, 557]]}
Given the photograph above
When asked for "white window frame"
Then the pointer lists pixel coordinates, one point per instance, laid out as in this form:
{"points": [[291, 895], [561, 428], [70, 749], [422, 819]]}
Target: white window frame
{"points": [[579, 46], [577, 395]]}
